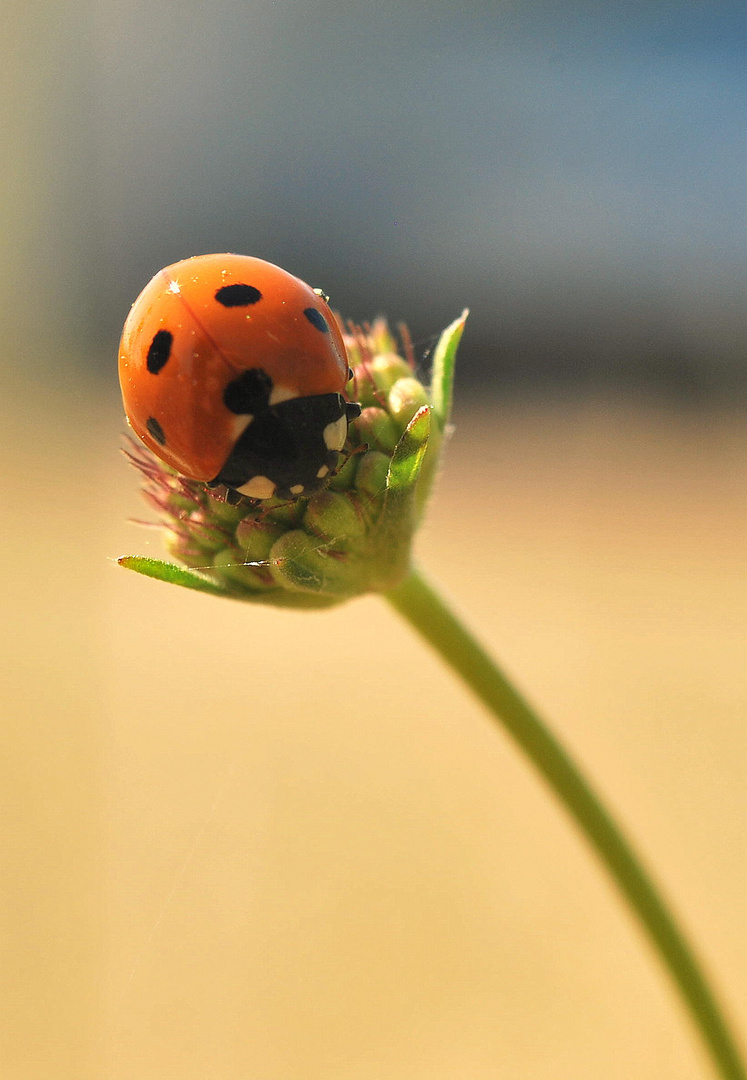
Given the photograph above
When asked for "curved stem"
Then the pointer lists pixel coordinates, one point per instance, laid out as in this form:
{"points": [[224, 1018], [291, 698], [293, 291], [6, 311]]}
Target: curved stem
{"points": [[417, 602]]}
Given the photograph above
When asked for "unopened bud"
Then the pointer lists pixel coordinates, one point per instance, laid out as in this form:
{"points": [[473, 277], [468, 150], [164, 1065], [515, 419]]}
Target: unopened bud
{"points": [[233, 565], [405, 398], [375, 427], [255, 537], [210, 535], [372, 472], [345, 475], [299, 562], [330, 515], [377, 376], [184, 548]]}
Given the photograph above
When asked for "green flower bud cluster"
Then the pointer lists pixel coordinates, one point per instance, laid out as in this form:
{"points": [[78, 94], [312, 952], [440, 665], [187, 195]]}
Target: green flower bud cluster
{"points": [[352, 537]]}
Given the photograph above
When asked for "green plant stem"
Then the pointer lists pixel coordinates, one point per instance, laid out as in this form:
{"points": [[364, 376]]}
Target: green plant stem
{"points": [[417, 602]]}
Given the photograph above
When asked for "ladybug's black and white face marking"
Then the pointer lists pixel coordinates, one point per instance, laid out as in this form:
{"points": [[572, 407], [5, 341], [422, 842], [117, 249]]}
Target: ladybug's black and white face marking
{"points": [[233, 371], [286, 449]]}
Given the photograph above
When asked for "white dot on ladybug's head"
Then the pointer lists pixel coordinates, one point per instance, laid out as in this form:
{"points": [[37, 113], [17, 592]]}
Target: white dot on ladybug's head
{"points": [[296, 489], [259, 487], [336, 433], [323, 472], [282, 393], [239, 424]]}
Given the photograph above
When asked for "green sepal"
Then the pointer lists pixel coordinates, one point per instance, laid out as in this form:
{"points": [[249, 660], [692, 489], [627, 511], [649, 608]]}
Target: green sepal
{"points": [[174, 575], [188, 579], [441, 392], [407, 458], [390, 538], [442, 375]]}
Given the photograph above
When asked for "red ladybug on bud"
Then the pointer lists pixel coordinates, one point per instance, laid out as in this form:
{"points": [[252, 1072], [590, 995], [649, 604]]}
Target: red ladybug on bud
{"points": [[233, 372]]}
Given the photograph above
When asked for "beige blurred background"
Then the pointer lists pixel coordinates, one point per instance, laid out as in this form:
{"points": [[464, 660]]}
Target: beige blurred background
{"points": [[240, 843]]}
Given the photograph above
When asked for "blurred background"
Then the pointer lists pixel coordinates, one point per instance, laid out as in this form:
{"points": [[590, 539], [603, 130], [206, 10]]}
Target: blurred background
{"points": [[241, 843]]}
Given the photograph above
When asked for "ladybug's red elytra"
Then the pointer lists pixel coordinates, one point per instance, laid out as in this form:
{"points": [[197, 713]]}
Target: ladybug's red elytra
{"points": [[233, 372]]}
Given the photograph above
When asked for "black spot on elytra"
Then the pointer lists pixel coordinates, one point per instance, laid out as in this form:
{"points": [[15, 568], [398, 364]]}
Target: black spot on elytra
{"points": [[156, 430], [159, 351], [249, 393], [238, 295], [316, 319]]}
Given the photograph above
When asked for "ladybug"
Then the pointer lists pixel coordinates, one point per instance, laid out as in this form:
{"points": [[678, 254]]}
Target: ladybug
{"points": [[233, 372]]}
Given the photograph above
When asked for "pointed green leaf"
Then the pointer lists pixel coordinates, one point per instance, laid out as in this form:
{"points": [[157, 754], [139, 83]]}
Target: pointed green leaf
{"points": [[393, 532], [175, 575], [442, 378], [408, 453], [188, 579]]}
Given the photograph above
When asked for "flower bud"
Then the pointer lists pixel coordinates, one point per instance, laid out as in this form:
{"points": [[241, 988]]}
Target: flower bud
{"points": [[224, 512], [207, 531], [345, 475], [299, 562], [330, 515], [376, 428], [374, 378], [373, 469], [255, 537], [406, 396], [183, 548], [233, 565], [353, 536]]}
